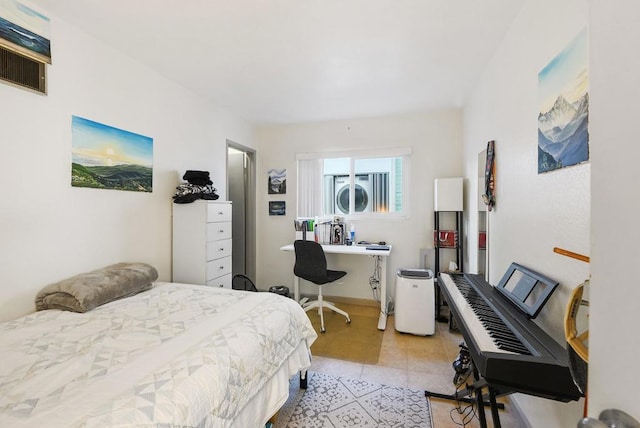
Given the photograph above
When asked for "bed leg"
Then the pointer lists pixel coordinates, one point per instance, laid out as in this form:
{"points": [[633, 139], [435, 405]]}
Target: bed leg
{"points": [[303, 379], [272, 421]]}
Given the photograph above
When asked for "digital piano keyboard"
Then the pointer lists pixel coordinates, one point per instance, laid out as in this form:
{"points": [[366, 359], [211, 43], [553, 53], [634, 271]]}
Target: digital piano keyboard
{"points": [[510, 352]]}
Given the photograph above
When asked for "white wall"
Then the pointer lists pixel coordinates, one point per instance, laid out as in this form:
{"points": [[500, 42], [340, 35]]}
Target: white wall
{"points": [[533, 213], [50, 230], [436, 142], [615, 293]]}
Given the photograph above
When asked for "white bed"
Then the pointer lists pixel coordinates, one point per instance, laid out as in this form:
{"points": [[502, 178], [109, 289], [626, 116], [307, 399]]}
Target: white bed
{"points": [[175, 355]]}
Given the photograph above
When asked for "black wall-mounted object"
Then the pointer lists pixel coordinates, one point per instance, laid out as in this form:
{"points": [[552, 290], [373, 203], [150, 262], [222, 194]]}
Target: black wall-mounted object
{"points": [[526, 289]]}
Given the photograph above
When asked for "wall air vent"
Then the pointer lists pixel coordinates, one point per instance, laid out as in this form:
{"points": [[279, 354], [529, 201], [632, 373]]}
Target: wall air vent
{"points": [[22, 71]]}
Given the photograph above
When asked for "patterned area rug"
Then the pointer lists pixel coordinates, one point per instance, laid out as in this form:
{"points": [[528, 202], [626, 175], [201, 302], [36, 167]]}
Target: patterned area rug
{"points": [[338, 402]]}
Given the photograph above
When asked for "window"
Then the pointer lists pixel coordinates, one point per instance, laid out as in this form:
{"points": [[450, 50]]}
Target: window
{"points": [[371, 183]]}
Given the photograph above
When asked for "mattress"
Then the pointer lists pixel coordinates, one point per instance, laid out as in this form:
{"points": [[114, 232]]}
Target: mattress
{"points": [[176, 355]]}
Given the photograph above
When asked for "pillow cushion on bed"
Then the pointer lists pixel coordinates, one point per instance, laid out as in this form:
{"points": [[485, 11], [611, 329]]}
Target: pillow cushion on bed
{"points": [[88, 290]]}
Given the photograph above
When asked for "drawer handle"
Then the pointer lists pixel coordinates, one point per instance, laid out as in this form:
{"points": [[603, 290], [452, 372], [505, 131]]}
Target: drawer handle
{"points": [[221, 249], [220, 267], [221, 231], [221, 285], [220, 213]]}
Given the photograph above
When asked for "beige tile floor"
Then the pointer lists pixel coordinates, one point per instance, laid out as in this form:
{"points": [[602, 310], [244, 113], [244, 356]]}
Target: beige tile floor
{"points": [[416, 362]]}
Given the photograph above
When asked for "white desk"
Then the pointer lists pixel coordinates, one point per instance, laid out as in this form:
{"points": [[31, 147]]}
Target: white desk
{"points": [[358, 250]]}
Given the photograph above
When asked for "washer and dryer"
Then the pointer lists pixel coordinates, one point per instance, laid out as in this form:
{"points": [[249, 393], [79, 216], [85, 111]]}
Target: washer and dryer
{"points": [[363, 193]]}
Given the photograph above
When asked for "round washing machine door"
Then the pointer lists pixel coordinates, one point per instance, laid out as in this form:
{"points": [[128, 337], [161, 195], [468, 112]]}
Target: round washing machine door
{"points": [[361, 199]]}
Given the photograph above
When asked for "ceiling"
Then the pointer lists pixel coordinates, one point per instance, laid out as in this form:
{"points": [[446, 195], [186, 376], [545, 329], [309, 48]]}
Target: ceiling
{"points": [[289, 61]]}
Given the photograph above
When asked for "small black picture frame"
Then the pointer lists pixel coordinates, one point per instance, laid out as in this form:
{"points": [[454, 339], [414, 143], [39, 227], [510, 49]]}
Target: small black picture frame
{"points": [[277, 208]]}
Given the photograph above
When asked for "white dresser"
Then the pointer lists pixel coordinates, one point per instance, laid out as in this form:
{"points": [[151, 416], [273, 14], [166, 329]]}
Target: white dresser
{"points": [[202, 243]]}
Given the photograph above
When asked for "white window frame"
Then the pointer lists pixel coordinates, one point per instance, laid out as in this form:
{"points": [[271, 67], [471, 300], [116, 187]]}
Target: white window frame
{"points": [[310, 185]]}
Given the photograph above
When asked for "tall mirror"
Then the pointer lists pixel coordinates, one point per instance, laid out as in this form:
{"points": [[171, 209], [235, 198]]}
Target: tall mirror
{"points": [[483, 239]]}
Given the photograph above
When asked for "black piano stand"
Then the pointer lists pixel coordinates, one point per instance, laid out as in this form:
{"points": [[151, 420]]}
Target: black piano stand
{"points": [[495, 416], [477, 388]]}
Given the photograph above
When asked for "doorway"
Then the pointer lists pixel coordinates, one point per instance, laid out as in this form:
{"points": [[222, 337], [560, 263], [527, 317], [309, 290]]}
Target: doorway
{"points": [[241, 191]]}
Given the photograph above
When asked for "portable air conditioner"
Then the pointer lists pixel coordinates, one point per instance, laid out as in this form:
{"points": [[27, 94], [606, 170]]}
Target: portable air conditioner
{"points": [[415, 302]]}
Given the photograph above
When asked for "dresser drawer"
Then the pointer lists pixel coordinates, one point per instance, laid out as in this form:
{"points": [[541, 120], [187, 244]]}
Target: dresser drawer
{"points": [[218, 212], [219, 267], [218, 249], [217, 231], [221, 282]]}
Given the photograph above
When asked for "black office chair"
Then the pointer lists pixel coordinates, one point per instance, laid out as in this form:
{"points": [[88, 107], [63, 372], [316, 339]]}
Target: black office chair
{"points": [[311, 264]]}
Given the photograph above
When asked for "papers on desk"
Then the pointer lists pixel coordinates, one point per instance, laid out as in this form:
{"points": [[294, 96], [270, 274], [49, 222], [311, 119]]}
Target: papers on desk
{"points": [[378, 247], [381, 246], [319, 230], [300, 224]]}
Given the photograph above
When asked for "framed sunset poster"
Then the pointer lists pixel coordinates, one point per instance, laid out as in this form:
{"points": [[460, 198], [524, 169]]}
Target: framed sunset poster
{"points": [[104, 157], [563, 118]]}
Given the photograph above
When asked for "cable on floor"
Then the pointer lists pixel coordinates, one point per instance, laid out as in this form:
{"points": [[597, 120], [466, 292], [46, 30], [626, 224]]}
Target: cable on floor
{"points": [[374, 279], [463, 366], [465, 413], [374, 283]]}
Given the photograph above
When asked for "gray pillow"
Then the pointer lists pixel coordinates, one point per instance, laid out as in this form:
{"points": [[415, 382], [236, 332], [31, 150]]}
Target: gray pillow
{"points": [[86, 291]]}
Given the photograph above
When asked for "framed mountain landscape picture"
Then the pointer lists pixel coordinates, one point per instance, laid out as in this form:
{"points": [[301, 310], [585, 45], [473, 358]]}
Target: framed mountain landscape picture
{"points": [[104, 157], [277, 181], [563, 120]]}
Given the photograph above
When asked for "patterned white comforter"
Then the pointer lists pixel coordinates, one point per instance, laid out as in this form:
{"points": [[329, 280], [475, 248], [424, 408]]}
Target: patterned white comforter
{"points": [[176, 355]]}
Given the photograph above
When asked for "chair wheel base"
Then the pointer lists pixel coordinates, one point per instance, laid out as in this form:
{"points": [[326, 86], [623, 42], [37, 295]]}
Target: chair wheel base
{"points": [[322, 330], [348, 320]]}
